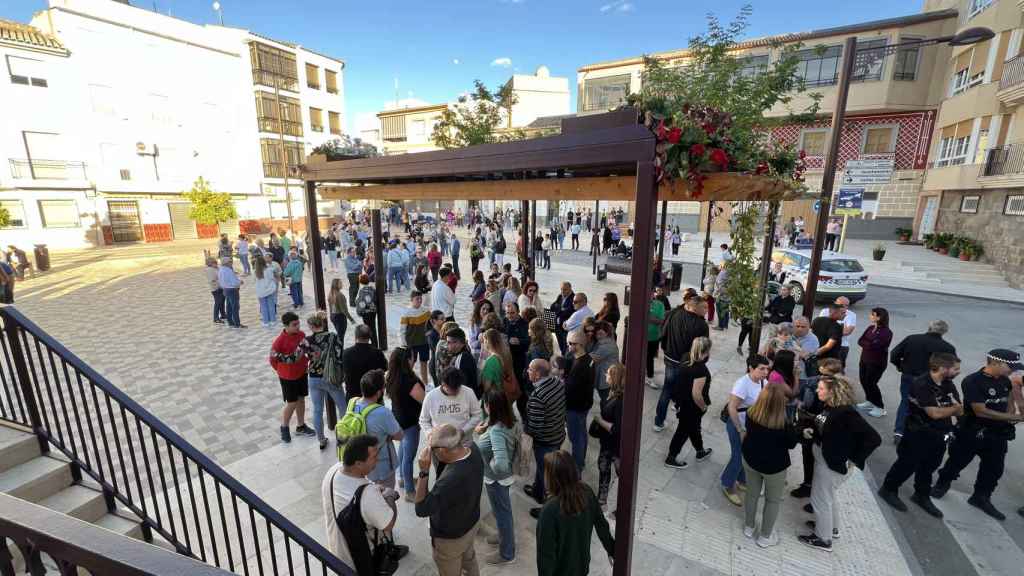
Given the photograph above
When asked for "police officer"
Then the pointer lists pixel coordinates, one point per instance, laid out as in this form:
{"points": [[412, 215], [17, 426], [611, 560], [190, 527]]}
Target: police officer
{"points": [[934, 402], [987, 426]]}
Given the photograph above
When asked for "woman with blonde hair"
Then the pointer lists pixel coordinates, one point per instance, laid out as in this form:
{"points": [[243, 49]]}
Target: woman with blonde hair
{"points": [[512, 292], [692, 396], [841, 437], [766, 446], [609, 421], [493, 295], [337, 304], [542, 342]]}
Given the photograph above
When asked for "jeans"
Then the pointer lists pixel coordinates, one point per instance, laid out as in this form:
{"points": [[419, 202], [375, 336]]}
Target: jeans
{"points": [[901, 413], [576, 424], [332, 256], [539, 452], [722, 307], [231, 303], [318, 389], [246, 266], [774, 486], [501, 504], [219, 312], [353, 286], [395, 279], [733, 471], [672, 371], [407, 451], [295, 288], [268, 308]]}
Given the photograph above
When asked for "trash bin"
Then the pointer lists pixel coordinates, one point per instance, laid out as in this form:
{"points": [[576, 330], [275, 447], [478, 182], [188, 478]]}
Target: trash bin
{"points": [[42, 257], [677, 275]]}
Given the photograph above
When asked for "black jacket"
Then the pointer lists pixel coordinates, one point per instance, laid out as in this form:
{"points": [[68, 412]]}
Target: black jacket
{"points": [[846, 437], [780, 309], [911, 355], [357, 360], [682, 327], [563, 308], [579, 385], [467, 365]]}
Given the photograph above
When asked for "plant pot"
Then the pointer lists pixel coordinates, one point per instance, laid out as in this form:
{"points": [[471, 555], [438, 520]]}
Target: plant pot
{"points": [[943, 251], [965, 256], [954, 251], [878, 254], [904, 237]]}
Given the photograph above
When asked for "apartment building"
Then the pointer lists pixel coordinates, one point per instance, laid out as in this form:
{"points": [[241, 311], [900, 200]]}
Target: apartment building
{"points": [[45, 182], [891, 110], [149, 103], [975, 181]]}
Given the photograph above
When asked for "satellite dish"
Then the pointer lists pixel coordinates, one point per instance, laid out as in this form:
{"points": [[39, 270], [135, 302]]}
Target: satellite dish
{"points": [[543, 72]]}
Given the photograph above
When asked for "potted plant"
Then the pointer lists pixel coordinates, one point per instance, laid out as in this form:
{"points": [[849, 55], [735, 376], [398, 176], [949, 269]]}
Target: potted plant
{"points": [[879, 252], [976, 250], [929, 241], [966, 249], [942, 242], [956, 244], [904, 234]]}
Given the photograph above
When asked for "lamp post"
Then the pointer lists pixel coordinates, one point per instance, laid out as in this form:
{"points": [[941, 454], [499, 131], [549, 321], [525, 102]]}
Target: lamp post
{"points": [[860, 60]]}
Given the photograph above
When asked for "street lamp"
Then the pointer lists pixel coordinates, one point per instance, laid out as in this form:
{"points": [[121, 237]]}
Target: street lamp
{"points": [[220, 12], [861, 60]]}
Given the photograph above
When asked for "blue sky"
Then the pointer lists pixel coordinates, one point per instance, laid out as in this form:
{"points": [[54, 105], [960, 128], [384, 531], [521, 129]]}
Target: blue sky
{"points": [[436, 49]]}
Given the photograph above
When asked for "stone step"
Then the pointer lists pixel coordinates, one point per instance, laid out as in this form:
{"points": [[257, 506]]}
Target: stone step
{"points": [[36, 479], [16, 447], [956, 267], [968, 279], [121, 525], [79, 502]]}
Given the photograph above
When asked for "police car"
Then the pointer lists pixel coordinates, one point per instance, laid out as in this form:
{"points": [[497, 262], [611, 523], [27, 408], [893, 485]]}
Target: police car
{"points": [[840, 275]]}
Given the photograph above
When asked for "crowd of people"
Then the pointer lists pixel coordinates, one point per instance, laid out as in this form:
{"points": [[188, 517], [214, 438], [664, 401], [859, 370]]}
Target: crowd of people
{"points": [[520, 377]]}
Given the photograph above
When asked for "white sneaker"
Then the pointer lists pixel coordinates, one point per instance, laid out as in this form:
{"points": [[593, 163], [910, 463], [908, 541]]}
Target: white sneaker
{"points": [[768, 542], [748, 531], [652, 384], [658, 428], [865, 405], [877, 412]]}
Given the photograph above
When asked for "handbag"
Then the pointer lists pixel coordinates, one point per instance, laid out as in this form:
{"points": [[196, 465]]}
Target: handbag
{"points": [[596, 430], [510, 386]]}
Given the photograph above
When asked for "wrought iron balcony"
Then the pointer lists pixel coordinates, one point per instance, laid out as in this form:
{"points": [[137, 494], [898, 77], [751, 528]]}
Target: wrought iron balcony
{"points": [[1008, 159], [1013, 72], [47, 169]]}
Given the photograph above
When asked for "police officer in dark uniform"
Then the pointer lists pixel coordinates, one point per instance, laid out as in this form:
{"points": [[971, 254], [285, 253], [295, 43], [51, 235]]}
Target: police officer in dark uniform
{"points": [[987, 426], [934, 402]]}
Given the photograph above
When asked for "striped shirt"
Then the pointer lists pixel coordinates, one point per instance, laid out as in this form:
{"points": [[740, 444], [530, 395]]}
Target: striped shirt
{"points": [[413, 326], [546, 412]]}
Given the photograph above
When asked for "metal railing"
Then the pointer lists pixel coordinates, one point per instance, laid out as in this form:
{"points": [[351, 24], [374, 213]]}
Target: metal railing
{"points": [[1013, 72], [1008, 159], [47, 169], [73, 544], [144, 466]]}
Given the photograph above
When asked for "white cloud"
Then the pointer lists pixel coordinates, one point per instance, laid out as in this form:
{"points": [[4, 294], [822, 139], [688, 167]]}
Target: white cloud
{"points": [[504, 62], [618, 6], [456, 61]]}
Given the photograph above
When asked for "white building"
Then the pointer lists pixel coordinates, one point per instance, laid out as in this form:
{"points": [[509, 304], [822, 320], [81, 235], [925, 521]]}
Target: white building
{"points": [[45, 180], [148, 104], [537, 96]]}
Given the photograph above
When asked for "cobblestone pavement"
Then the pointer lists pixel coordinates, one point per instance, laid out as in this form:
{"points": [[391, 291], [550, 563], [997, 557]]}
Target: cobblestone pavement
{"points": [[141, 315]]}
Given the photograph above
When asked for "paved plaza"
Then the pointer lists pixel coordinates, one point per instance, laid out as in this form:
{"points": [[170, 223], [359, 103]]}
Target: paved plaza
{"points": [[141, 315]]}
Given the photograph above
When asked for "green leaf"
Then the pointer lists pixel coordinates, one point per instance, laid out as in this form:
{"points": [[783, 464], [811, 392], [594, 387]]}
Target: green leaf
{"points": [[209, 207]]}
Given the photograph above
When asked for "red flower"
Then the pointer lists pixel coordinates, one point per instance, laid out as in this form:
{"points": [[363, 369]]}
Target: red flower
{"points": [[674, 135], [803, 154], [697, 150], [661, 130], [718, 156], [709, 128], [762, 168]]}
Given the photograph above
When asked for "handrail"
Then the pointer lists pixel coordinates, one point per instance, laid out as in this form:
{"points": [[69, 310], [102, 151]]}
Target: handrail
{"points": [[41, 169], [1013, 72], [74, 544], [1006, 159], [102, 441]]}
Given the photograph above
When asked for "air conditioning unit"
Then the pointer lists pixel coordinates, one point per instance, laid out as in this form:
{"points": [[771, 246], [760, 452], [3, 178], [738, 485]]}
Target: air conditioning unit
{"points": [[126, 174], [143, 149]]}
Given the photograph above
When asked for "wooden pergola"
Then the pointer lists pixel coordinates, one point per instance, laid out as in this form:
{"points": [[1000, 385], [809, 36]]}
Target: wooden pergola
{"points": [[600, 157]]}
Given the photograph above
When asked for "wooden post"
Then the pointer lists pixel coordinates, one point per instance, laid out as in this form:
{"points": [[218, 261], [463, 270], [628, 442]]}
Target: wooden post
{"points": [[660, 241], [381, 277], [524, 231], [315, 257], [597, 220], [766, 262], [636, 343], [707, 243]]}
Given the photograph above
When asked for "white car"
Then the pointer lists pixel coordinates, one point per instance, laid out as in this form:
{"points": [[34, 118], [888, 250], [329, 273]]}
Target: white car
{"points": [[840, 275]]}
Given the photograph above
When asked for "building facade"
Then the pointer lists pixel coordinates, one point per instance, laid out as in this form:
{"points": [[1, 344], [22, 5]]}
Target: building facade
{"points": [[975, 182], [155, 103], [891, 110]]}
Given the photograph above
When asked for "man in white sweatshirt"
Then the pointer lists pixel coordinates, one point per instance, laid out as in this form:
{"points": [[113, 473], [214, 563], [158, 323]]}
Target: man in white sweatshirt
{"points": [[451, 403], [442, 297]]}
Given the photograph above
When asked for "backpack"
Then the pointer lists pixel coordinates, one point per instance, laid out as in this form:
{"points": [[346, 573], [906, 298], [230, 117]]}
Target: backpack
{"points": [[352, 424], [365, 304], [333, 369], [367, 561]]}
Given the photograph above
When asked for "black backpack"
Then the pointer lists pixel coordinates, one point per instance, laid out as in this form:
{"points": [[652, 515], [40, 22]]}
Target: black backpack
{"points": [[375, 561]]}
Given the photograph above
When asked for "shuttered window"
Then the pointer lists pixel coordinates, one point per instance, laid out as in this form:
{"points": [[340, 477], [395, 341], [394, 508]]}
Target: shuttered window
{"points": [[879, 140], [394, 128], [813, 142], [316, 120], [335, 123], [331, 78], [312, 76], [59, 213]]}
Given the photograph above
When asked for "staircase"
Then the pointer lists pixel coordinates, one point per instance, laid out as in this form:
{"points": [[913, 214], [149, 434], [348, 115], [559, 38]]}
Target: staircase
{"points": [[73, 443]]}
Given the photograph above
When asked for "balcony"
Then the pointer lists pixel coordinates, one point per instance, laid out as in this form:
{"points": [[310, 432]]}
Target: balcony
{"points": [[269, 124], [47, 170], [1004, 167], [269, 78], [1011, 85]]}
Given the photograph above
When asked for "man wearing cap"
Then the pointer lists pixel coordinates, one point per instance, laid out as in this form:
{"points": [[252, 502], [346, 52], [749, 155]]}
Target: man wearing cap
{"points": [[453, 504], [911, 357], [990, 412]]}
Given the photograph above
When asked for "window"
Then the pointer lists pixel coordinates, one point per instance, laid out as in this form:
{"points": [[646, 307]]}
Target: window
{"points": [[1014, 206], [975, 7], [312, 76], [879, 140], [267, 114], [812, 141], [419, 130], [953, 151], [819, 66], [59, 213], [26, 71], [906, 61], [605, 93], [840, 265], [332, 81], [270, 149], [753, 65], [969, 204], [316, 119], [272, 66], [870, 60], [969, 67], [16, 211], [334, 119], [394, 128]]}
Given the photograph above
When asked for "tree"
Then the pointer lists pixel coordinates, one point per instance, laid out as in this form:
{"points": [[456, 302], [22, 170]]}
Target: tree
{"points": [[5, 217], [209, 207], [477, 118], [346, 147]]}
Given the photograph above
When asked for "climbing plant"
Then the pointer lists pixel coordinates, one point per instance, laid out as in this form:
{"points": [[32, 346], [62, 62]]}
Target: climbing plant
{"points": [[743, 285]]}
